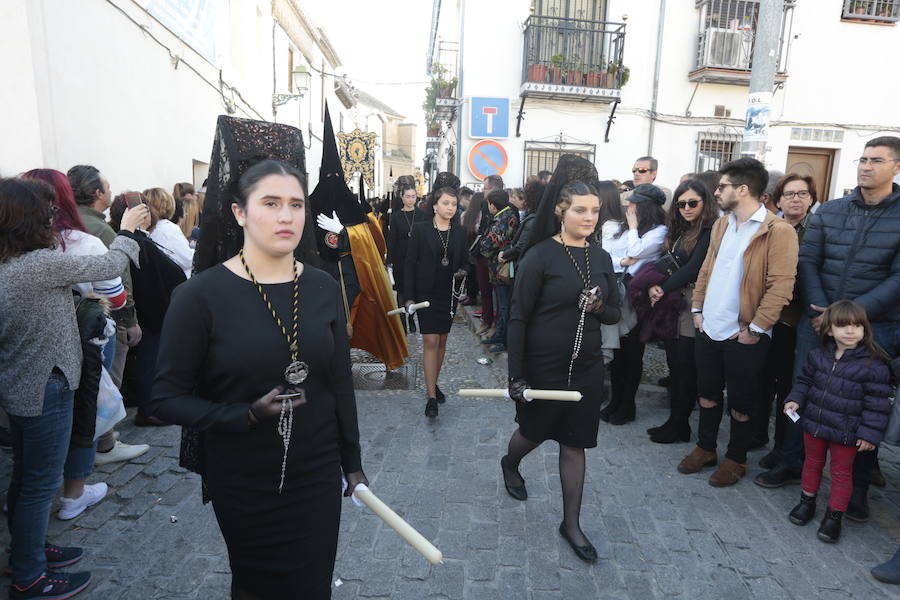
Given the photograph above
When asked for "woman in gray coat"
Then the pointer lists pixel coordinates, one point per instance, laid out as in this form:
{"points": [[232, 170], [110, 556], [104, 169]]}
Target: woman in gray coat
{"points": [[40, 350]]}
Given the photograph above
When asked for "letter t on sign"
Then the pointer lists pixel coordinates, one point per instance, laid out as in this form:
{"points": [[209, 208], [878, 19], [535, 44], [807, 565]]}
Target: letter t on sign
{"points": [[489, 112]]}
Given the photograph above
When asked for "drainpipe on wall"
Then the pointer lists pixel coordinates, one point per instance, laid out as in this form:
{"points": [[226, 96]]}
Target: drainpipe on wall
{"points": [[656, 68], [459, 69]]}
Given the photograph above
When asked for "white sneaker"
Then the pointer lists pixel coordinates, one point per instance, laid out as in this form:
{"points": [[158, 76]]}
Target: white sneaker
{"points": [[120, 451], [72, 507]]}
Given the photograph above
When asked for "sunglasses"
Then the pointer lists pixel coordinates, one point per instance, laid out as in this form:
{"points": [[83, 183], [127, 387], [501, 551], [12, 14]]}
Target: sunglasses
{"points": [[641, 170], [687, 203]]}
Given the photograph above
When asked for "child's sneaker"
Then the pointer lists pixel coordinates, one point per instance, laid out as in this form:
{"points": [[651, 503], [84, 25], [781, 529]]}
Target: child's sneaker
{"points": [[804, 512], [51, 586]]}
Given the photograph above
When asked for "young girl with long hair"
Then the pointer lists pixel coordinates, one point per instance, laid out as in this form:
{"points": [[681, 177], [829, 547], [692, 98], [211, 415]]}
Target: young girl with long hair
{"points": [[843, 400]]}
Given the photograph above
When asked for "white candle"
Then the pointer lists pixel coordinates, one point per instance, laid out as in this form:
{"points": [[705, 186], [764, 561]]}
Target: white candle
{"points": [[564, 395], [414, 307], [406, 531]]}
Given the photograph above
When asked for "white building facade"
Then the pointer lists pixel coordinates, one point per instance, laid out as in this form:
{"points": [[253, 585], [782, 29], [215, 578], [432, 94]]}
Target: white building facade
{"points": [[134, 87], [675, 76]]}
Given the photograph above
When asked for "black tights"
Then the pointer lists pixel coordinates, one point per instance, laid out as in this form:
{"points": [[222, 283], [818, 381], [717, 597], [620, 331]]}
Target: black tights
{"points": [[571, 478]]}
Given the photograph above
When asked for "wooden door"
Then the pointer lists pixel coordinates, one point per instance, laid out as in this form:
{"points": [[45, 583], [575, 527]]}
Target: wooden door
{"points": [[815, 162]]}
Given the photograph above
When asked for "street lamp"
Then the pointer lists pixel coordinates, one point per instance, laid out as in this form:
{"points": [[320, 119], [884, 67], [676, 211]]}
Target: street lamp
{"points": [[301, 78]]}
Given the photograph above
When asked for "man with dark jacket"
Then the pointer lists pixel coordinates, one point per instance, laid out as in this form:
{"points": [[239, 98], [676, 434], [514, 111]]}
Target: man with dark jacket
{"points": [[851, 251]]}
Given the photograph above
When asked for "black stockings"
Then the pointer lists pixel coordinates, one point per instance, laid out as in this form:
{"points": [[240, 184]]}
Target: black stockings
{"points": [[571, 478]]}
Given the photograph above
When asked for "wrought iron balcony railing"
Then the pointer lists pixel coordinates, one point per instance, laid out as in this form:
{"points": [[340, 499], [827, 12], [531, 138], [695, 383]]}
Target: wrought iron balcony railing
{"points": [[573, 58], [887, 11]]}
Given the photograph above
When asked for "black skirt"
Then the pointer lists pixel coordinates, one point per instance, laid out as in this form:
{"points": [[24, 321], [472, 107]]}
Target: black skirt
{"points": [[437, 318]]}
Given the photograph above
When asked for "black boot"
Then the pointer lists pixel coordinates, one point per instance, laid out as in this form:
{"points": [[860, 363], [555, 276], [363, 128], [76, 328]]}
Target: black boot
{"points": [[858, 509], [830, 529], [654, 430], [625, 413], [804, 512]]}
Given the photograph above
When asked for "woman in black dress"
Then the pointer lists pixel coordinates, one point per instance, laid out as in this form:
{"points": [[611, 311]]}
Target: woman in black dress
{"points": [[436, 252], [565, 289], [247, 346], [399, 232]]}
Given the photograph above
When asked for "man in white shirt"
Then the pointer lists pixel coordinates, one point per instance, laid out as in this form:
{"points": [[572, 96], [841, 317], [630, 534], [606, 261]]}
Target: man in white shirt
{"points": [[746, 279]]}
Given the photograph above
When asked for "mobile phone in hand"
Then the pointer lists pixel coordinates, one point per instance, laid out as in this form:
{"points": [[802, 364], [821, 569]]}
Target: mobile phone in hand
{"points": [[133, 199]]}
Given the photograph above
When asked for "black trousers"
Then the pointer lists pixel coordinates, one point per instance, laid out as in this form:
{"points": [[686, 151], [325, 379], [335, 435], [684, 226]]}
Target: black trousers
{"points": [[775, 382], [682, 378], [731, 365], [625, 372]]}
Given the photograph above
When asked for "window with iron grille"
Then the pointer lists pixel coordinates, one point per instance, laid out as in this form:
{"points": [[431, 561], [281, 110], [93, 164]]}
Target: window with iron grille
{"points": [[887, 11], [542, 156], [588, 10], [716, 149]]}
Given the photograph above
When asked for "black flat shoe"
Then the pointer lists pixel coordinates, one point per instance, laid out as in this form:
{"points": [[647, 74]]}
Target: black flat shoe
{"points": [[587, 553], [621, 416], [431, 408], [439, 395], [517, 492]]}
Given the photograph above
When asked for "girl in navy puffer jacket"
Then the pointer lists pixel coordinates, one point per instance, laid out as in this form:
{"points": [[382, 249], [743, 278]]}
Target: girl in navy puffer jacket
{"points": [[843, 400]]}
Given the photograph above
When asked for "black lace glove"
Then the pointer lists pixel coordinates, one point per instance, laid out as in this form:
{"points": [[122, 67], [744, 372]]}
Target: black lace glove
{"points": [[591, 301], [517, 387]]}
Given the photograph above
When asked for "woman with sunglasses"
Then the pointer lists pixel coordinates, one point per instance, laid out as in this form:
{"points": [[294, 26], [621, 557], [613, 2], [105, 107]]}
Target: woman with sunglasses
{"points": [[690, 223]]}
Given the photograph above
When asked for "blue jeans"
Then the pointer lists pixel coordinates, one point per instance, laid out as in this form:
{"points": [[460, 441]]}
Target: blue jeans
{"points": [[503, 297], [39, 451]]}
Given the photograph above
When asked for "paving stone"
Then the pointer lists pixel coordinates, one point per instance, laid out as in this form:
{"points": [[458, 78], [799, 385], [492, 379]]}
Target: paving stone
{"points": [[659, 534]]}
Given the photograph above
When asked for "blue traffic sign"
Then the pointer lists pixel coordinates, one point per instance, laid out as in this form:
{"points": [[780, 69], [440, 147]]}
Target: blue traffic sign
{"points": [[489, 118], [487, 158]]}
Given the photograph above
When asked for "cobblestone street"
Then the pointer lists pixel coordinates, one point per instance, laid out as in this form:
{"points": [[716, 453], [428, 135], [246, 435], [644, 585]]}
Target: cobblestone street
{"points": [[659, 534]]}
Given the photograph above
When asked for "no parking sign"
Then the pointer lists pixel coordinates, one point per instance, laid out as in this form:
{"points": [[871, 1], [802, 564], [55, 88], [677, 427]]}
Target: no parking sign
{"points": [[487, 158]]}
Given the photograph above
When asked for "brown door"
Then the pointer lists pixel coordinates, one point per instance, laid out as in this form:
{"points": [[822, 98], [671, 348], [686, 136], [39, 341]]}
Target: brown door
{"points": [[815, 162]]}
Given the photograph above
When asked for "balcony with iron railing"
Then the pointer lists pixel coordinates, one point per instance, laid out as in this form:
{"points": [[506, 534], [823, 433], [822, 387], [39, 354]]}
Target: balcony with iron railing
{"points": [[877, 11], [573, 59], [727, 35]]}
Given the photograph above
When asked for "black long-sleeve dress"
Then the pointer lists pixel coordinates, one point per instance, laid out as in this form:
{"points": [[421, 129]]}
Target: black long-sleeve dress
{"points": [[543, 320], [221, 350], [427, 279], [399, 233]]}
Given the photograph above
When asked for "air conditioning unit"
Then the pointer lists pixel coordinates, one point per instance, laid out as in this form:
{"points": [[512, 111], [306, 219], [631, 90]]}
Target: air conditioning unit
{"points": [[728, 48]]}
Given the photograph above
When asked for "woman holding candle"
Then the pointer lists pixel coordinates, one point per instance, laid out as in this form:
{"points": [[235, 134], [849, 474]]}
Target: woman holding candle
{"points": [[399, 232], [565, 289], [437, 249], [247, 345]]}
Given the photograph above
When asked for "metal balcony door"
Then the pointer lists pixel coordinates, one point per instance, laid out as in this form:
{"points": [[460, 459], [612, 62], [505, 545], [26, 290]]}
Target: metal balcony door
{"points": [[566, 40]]}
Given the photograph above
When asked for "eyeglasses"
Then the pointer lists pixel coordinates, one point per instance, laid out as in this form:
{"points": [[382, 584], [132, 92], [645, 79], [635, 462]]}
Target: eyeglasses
{"points": [[691, 203], [802, 194], [875, 162], [641, 170]]}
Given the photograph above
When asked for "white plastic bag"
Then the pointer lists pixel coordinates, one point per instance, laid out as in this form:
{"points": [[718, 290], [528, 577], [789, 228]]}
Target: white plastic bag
{"points": [[110, 408]]}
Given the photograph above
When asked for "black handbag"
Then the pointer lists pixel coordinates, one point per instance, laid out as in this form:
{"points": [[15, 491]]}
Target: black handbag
{"points": [[668, 263]]}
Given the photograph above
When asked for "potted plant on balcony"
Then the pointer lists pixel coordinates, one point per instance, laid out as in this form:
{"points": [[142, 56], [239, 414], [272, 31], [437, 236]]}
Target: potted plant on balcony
{"points": [[609, 80], [556, 71], [574, 76], [434, 128], [883, 9], [859, 7], [594, 76], [623, 78], [537, 72]]}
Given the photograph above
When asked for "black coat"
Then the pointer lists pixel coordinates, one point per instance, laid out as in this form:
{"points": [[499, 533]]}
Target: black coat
{"points": [[153, 282], [423, 256], [851, 251], [91, 324]]}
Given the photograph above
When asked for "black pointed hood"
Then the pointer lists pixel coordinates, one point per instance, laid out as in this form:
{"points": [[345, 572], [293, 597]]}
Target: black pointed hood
{"points": [[331, 193]]}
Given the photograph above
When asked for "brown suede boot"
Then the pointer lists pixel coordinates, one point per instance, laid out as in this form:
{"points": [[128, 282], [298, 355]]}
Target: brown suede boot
{"points": [[696, 460], [728, 473]]}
